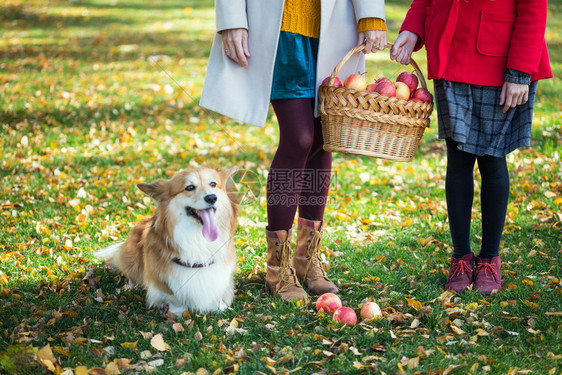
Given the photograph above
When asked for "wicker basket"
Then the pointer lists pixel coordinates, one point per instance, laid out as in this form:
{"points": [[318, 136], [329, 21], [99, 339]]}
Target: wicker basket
{"points": [[370, 124]]}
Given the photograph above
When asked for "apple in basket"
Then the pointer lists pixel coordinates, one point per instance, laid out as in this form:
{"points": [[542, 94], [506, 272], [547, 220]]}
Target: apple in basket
{"points": [[371, 87], [386, 88], [382, 79], [422, 95], [410, 79], [337, 82], [402, 91], [355, 81]]}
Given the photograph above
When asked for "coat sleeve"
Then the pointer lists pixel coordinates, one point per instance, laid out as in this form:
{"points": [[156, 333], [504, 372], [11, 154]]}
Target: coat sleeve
{"points": [[527, 40], [231, 14], [369, 9], [415, 20]]}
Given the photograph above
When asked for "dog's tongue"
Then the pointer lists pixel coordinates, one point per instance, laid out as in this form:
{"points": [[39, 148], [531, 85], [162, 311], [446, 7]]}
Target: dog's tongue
{"points": [[210, 230]]}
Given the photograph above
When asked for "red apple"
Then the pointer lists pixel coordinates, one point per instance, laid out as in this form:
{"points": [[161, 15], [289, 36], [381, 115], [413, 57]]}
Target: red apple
{"points": [[328, 302], [402, 91], [410, 79], [371, 310], [355, 81], [423, 95], [371, 87], [345, 315], [337, 82], [382, 79], [386, 88]]}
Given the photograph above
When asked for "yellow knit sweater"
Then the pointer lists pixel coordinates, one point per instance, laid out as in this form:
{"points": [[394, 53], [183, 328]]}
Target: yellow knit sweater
{"points": [[303, 17]]}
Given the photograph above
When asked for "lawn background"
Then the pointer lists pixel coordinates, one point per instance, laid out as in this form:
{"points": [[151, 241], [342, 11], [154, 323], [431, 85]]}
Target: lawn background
{"points": [[97, 96]]}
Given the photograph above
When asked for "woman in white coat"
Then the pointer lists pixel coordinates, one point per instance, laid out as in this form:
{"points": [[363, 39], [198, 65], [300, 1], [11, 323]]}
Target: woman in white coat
{"points": [[279, 51]]}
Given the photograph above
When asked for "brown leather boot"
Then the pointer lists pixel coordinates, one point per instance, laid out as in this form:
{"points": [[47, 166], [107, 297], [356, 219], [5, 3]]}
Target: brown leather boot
{"points": [[307, 258], [281, 278]]}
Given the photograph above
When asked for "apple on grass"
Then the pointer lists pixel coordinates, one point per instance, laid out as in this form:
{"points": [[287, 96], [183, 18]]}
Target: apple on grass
{"points": [[422, 95], [345, 315], [410, 79], [355, 81], [402, 91], [328, 302], [337, 82], [371, 310]]}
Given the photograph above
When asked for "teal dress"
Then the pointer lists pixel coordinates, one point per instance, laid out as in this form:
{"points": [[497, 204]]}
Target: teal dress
{"points": [[294, 72]]}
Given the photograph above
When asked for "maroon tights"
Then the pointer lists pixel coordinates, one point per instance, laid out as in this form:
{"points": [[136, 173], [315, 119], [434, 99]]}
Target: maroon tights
{"points": [[299, 176]]}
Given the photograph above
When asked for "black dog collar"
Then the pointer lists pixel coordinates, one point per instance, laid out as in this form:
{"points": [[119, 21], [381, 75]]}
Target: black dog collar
{"points": [[189, 265]]}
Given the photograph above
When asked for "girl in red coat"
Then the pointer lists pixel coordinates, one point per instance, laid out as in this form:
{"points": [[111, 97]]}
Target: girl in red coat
{"points": [[485, 57]]}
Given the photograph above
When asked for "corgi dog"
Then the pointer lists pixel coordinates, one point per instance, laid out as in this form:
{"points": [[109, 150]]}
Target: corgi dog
{"points": [[184, 254]]}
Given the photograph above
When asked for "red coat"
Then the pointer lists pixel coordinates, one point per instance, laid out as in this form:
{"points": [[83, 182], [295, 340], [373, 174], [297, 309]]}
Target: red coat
{"points": [[474, 41]]}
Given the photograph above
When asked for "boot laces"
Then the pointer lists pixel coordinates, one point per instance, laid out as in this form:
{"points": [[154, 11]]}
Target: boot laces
{"points": [[460, 268], [487, 268], [314, 253], [287, 276]]}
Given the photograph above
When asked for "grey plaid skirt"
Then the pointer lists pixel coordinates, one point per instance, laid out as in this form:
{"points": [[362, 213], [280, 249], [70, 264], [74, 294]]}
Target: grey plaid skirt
{"points": [[471, 116]]}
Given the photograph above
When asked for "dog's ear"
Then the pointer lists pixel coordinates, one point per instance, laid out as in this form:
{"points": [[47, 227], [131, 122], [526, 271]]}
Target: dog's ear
{"points": [[229, 177], [156, 190]]}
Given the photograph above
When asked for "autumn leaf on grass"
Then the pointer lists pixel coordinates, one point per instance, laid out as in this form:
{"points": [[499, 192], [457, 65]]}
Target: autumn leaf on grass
{"points": [[112, 369], [178, 327], [46, 358], [532, 305], [158, 343], [130, 345], [416, 305], [457, 330], [472, 306]]}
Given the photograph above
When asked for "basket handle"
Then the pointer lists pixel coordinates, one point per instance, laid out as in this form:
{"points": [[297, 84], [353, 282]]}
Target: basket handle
{"points": [[360, 48]]}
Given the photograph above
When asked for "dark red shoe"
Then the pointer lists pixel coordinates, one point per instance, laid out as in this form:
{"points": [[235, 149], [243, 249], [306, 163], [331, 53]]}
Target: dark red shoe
{"points": [[487, 277], [460, 273]]}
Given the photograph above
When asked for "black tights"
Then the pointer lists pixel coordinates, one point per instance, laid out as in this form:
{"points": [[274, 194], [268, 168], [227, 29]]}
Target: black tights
{"points": [[494, 194], [300, 171]]}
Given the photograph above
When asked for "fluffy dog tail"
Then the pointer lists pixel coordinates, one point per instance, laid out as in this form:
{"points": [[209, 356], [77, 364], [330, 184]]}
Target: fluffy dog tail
{"points": [[109, 254]]}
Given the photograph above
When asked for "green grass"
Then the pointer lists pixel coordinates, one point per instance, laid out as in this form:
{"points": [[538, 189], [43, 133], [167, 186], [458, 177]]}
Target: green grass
{"points": [[87, 111]]}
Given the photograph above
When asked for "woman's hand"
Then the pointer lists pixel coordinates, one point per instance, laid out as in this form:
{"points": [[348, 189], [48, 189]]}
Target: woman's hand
{"points": [[235, 44], [513, 94], [373, 40], [403, 47]]}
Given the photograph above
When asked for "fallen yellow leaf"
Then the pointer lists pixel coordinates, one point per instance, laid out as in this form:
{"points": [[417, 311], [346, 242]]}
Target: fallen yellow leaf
{"points": [[472, 306], [46, 354], [130, 345], [112, 369], [414, 304]]}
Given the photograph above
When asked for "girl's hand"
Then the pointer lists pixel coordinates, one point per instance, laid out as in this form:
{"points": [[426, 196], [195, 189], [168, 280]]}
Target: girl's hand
{"points": [[403, 47], [373, 40], [513, 94], [235, 44]]}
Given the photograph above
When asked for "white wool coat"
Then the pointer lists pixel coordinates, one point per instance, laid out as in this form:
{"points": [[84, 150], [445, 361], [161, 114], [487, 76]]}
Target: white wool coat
{"points": [[243, 94]]}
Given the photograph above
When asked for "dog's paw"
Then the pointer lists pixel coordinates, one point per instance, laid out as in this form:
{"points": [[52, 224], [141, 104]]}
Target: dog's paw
{"points": [[177, 310], [223, 306]]}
